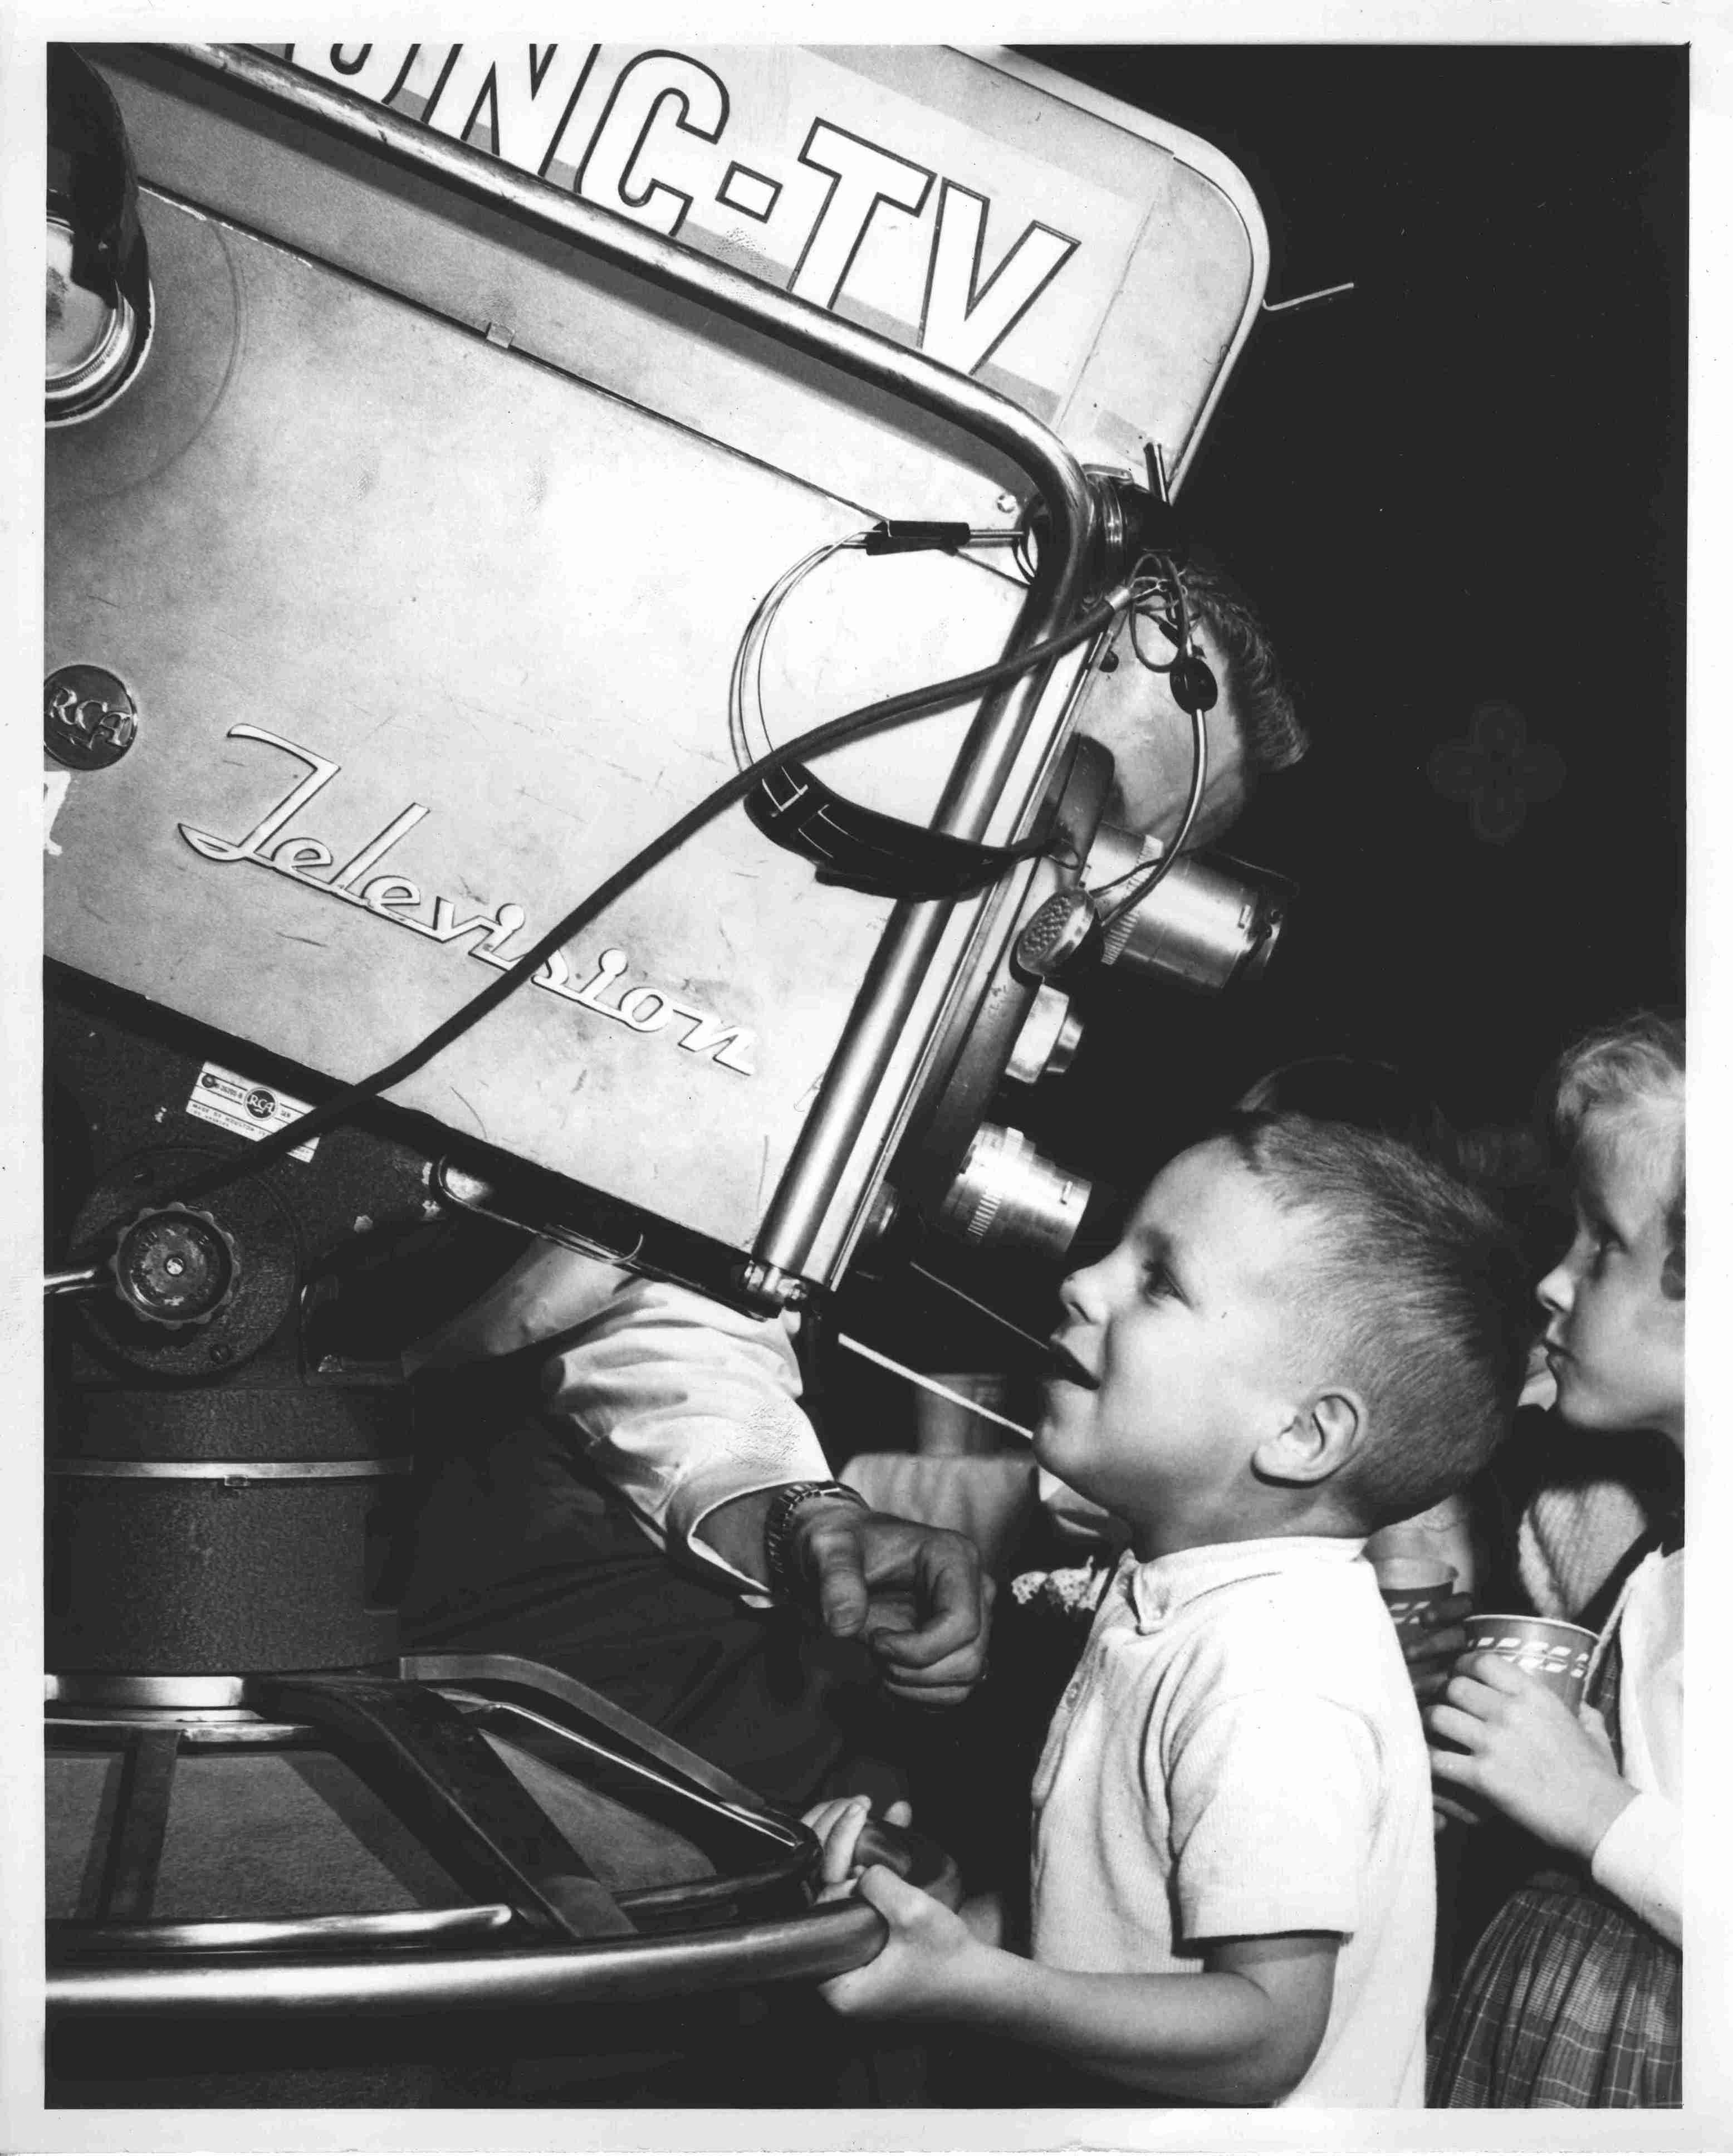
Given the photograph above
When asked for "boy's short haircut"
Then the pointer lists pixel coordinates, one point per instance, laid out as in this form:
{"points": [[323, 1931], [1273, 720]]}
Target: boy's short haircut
{"points": [[1421, 1295], [1632, 1075]]}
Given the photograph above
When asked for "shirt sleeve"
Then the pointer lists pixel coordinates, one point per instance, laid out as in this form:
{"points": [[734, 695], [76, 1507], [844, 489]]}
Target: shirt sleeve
{"points": [[549, 1289], [1640, 1859], [679, 1403], [1273, 1800], [682, 1405], [1641, 1856]]}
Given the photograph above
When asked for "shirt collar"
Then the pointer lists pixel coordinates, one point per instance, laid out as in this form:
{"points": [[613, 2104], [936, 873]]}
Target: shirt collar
{"points": [[1165, 1584]]}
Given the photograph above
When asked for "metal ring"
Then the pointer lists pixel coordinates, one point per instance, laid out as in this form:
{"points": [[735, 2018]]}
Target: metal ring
{"points": [[822, 1942]]}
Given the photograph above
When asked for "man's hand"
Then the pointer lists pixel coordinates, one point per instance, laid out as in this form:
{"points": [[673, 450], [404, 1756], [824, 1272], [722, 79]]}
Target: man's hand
{"points": [[916, 1594], [1522, 1750]]}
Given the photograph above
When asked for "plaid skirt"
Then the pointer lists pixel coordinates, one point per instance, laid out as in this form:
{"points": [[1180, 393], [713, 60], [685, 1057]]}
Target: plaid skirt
{"points": [[1568, 2001]]}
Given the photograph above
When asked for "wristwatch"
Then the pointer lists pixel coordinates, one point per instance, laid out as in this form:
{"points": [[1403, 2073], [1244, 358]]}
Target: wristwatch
{"points": [[778, 1529]]}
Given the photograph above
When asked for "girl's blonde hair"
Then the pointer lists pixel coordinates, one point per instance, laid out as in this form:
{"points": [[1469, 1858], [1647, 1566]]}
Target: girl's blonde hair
{"points": [[1631, 1075]]}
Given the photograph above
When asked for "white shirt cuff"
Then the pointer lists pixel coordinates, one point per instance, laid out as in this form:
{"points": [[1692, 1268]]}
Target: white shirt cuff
{"points": [[1640, 1859]]}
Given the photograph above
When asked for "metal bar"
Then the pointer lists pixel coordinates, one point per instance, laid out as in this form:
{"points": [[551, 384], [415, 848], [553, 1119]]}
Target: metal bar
{"points": [[517, 1672], [797, 1852], [390, 1928], [234, 1471], [99, 1688], [823, 1942], [929, 1385], [1305, 299], [442, 1779], [83, 1281], [135, 1849], [941, 390], [499, 1714], [881, 1012]]}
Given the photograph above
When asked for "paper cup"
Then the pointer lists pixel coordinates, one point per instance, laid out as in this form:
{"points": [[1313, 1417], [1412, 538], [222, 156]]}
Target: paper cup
{"points": [[1411, 1586], [1556, 1653], [943, 1426]]}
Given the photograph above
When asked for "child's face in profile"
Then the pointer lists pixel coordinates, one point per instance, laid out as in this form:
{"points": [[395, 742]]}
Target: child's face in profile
{"points": [[1187, 1326], [1615, 1340]]}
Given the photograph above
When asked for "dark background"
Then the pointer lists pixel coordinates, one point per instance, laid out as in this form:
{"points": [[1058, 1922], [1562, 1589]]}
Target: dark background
{"points": [[1462, 483]]}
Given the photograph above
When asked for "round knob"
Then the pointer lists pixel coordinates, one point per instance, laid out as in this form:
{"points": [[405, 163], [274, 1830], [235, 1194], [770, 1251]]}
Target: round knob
{"points": [[175, 1267], [1048, 1041]]}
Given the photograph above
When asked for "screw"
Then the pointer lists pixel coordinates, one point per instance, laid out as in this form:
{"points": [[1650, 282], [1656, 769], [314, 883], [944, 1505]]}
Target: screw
{"points": [[1005, 503], [221, 1354]]}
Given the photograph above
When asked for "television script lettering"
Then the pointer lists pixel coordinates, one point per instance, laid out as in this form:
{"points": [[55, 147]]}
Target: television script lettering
{"points": [[640, 1008]]}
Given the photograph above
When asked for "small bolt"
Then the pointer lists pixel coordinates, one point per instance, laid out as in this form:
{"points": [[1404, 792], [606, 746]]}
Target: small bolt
{"points": [[174, 1267], [221, 1354], [1005, 503]]}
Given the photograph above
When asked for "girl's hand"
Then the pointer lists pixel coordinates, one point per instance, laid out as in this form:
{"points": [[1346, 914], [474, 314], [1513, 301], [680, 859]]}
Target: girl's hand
{"points": [[1525, 1752], [837, 1825], [927, 1965]]}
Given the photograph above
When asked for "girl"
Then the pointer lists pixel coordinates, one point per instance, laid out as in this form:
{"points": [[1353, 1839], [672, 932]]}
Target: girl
{"points": [[1573, 1996]]}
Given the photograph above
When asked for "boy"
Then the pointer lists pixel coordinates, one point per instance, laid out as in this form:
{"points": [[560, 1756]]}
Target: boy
{"points": [[1304, 1333]]}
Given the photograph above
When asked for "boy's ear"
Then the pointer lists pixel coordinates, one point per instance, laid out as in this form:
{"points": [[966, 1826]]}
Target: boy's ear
{"points": [[1320, 1437]]}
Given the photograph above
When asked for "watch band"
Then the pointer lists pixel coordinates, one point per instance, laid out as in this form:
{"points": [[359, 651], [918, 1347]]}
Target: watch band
{"points": [[778, 1525]]}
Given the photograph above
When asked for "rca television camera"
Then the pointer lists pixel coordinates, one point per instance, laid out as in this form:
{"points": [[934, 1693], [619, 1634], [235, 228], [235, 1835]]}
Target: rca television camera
{"points": [[473, 473]]}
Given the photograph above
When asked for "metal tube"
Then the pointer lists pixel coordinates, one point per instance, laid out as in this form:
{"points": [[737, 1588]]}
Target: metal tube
{"points": [[910, 374], [234, 1471], [86, 1281], [912, 934], [392, 1928], [823, 1942], [517, 1673]]}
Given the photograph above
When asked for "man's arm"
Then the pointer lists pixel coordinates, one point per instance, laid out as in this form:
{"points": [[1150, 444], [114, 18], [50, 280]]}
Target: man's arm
{"points": [[1243, 2030], [688, 1409]]}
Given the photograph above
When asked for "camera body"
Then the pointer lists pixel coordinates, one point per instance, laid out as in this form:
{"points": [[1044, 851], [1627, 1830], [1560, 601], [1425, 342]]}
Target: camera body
{"points": [[414, 564]]}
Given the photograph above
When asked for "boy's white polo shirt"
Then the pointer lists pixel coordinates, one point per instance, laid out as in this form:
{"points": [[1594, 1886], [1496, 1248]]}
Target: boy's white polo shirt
{"points": [[1238, 1754]]}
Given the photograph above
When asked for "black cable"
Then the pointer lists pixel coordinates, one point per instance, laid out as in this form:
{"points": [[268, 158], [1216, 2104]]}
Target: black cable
{"points": [[1200, 763], [869, 718], [1168, 582], [986, 1310]]}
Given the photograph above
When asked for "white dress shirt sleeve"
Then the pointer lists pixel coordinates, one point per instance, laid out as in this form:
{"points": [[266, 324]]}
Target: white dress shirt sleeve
{"points": [[1640, 1858], [679, 1403]]}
